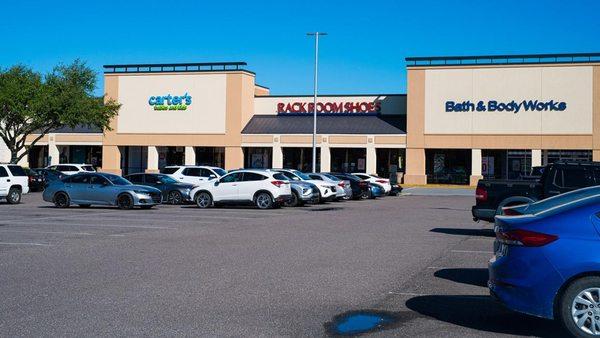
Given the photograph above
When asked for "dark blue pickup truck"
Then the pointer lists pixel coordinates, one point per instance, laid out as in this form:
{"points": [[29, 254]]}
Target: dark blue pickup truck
{"points": [[557, 178]]}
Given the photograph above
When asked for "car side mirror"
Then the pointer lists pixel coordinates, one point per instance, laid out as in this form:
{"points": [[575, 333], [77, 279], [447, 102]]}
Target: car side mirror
{"points": [[212, 176], [217, 183]]}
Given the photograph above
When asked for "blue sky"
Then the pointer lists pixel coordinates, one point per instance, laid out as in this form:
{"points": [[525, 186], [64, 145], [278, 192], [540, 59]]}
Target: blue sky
{"points": [[363, 53]]}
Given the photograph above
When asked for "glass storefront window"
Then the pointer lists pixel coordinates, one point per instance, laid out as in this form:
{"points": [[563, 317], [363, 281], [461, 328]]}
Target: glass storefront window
{"points": [[348, 159], [210, 156], [551, 156], [448, 166], [390, 160], [258, 157], [300, 158]]}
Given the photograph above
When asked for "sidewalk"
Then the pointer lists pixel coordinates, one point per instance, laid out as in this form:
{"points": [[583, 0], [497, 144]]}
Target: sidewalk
{"points": [[439, 191]]}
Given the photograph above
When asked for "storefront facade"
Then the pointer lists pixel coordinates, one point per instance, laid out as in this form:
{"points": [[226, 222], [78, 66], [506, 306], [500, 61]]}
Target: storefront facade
{"points": [[462, 119], [477, 117]]}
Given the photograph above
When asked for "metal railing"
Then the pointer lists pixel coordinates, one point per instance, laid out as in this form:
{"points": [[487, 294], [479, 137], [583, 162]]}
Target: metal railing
{"points": [[502, 59], [175, 67]]}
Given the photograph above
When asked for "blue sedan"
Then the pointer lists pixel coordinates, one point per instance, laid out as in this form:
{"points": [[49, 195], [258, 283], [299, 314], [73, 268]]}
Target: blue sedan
{"points": [[86, 189], [547, 260]]}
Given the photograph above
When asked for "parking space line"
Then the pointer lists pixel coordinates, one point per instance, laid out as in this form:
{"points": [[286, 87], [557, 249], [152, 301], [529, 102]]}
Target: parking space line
{"points": [[104, 225], [473, 251], [50, 232], [25, 217], [26, 243]]}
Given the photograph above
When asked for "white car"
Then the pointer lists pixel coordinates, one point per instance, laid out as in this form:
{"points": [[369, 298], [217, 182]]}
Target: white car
{"points": [[343, 189], [72, 168], [14, 182], [193, 174], [384, 182], [264, 188], [327, 191]]}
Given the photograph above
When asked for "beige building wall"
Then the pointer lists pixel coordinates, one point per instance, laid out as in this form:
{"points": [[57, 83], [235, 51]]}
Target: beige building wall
{"points": [[429, 126]]}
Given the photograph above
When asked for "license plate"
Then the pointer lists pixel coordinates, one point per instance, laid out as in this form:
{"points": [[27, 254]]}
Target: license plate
{"points": [[500, 249]]}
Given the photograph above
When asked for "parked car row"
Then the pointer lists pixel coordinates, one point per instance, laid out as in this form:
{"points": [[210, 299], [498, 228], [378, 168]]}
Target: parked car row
{"points": [[204, 185]]}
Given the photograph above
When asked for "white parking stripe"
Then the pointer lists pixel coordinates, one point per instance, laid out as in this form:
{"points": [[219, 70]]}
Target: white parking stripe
{"points": [[50, 232], [473, 251], [103, 225], [35, 244], [29, 217]]}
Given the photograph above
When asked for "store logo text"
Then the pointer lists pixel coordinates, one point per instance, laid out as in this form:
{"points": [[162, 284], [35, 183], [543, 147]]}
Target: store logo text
{"points": [[512, 106], [170, 102], [299, 108]]}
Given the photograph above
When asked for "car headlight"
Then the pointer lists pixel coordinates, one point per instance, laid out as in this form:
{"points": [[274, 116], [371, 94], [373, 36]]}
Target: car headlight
{"points": [[141, 192], [306, 190]]}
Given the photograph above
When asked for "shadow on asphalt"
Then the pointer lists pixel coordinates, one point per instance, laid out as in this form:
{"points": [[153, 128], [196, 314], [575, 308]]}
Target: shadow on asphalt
{"points": [[484, 314], [465, 232], [471, 276]]}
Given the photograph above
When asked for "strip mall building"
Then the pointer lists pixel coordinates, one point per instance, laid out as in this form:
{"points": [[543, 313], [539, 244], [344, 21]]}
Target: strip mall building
{"points": [[461, 119]]}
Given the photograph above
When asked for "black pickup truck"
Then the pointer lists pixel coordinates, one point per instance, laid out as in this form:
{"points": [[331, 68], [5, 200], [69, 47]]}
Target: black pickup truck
{"points": [[557, 178]]}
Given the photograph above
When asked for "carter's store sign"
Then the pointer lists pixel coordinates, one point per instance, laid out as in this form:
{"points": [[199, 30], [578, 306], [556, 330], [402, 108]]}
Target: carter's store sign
{"points": [[511, 107], [170, 102]]}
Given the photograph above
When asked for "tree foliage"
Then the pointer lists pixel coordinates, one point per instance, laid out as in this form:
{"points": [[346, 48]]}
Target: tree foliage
{"points": [[32, 104]]}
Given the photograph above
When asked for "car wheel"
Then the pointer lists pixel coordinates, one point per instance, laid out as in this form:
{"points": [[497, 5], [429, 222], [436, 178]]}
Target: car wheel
{"points": [[174, 197], [366, 194], [264, 201], [85, 205], [293, 202], [125, 202], [580, 307], [203, 200], [14, 196], [62, 200]]}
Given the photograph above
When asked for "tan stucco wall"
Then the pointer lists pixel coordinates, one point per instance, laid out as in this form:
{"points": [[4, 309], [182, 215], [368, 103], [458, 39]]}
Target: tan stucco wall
{"points": [[348, 140], [261, 91]]}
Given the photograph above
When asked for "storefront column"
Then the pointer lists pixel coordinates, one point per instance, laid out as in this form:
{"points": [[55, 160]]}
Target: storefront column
{"points": [[415, 166], [596, 155], [536, 157], [234, 158], [24, 161], [53, 153], [371, 167], [277, 158], [475, 167], [190, 156], [111, 160], [325, 155], [152, 165]]}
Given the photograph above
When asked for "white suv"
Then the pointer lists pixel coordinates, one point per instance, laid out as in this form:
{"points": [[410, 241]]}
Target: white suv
{"points": [[264, 188], [383, 182], [327, 191], [13, 183], [193, 174], [71, 168]]}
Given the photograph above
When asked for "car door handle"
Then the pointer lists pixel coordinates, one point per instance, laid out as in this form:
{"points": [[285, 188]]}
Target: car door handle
{"points": [[8, 180]]}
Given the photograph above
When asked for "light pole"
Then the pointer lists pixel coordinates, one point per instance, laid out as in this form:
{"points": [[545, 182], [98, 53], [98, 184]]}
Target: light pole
{"points": [[314, 136]]}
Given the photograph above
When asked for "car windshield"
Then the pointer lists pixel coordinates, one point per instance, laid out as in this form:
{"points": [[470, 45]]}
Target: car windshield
{"points": [[331, 177], [354, 177], [562, 199], [301, 175], [220, 171], [117, 180], [88, 168], [169, 170], [166, 179]]}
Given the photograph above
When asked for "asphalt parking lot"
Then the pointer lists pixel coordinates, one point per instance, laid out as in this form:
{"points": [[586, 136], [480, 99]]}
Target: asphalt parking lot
{"points": [[179, 270]]}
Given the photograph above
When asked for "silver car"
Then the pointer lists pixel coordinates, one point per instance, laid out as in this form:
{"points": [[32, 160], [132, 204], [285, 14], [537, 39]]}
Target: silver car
{"points": [[344, 190], [86, 189], [303, 192]]}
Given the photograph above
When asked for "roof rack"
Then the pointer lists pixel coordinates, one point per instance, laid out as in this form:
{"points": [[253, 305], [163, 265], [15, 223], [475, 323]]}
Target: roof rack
{"points": [[502, 59], [174, 67]]}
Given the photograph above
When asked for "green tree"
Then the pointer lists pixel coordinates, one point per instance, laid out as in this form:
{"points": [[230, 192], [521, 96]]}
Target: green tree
{"points": [[32, 104]]}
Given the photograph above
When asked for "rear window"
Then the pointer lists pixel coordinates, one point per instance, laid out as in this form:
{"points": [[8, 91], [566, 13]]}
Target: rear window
{"points": [[16, 170], [169, 171], [3, 172], [572, 178], [280, 177], [253, 177], [88, 168]]}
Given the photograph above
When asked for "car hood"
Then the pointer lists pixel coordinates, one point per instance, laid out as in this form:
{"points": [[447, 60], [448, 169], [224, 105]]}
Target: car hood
{"points": [[181, 185], [140, 188], [320, 183], [302, 184]]}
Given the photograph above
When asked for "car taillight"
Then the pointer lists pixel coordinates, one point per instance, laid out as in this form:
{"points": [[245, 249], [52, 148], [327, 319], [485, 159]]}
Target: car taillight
{"points": [[278, 184], [509, 211], [381, 181], [525, 238], [342, 184], [481, 194]]}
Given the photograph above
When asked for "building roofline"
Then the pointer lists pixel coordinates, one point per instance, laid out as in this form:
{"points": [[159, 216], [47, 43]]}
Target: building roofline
{"points": [[175, 67], [331, 95], [426, 61]]}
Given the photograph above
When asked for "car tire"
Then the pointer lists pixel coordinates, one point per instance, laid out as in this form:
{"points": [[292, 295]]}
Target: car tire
{"points": [[85, 205], [14, 196], [125, 202], [62, 200], [572, 307], [174, 197], [204, 200], [263, 201], [294, 202]]}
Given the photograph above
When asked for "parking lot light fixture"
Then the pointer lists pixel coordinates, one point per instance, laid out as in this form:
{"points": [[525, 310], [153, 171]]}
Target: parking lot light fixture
{"points": [[314, 136]]}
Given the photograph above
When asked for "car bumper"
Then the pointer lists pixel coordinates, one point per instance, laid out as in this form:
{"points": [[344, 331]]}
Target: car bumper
{"points": [[483, 214], [146, 199], [283, 198], [527, 284], [310, 198]]}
